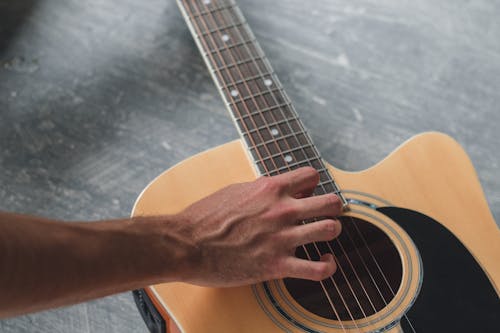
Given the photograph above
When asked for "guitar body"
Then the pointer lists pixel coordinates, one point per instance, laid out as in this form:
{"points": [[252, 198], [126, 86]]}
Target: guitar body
{"points": [[425, 197]]}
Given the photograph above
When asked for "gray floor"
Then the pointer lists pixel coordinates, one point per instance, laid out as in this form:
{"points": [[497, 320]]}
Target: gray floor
{"points": [[97, 97]]}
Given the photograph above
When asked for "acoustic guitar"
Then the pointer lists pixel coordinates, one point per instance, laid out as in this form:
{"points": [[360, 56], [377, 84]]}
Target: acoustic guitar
{"points": [[419, 250]]}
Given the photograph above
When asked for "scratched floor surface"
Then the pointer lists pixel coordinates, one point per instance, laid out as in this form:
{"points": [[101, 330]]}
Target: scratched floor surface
{"points": [[98, 97]]}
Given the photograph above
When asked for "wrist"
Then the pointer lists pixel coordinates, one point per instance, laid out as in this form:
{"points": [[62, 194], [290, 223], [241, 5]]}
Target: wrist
{"points": [[168, 250]]}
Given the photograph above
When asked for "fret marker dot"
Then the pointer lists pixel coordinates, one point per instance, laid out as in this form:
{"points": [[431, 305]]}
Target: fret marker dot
{"points": [[268, 82], [288, 158], [234, 93], [274, 132], [207, 2], [225, 38]]}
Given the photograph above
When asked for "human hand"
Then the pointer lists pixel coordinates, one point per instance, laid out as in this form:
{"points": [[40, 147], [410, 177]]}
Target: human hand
{"points": [[247, 233]]}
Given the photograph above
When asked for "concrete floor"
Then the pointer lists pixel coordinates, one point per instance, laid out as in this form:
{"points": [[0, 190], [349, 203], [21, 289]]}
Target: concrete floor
{"points": [[98, 97]]}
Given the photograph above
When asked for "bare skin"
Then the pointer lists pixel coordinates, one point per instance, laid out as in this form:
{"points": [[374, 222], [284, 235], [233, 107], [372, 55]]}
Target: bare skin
{"points": [[243, 234]]}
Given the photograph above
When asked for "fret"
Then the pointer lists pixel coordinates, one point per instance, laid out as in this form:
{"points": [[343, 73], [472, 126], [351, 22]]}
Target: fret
{"points": [[257, 81], [338, 192], [240, 77], [275, 140], [231, 11], [248, 78], [210, 11], [290, 166], [238, 63], [221, 29], [325, 176], [335, 190], [329, 183], [270, 125], [265, 123], [327, 187], [234, 63], [284, 153], [319, 191], [264, 140], [253, 96], [262, 111], [229, 47]]}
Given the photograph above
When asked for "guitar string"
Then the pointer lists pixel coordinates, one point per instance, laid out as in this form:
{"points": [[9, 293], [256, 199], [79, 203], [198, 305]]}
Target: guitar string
{"points": [[245, 106], [327, 243], [210, 55], [232, 23], [221, 11], [383, 275], [340, 244], [342, 248], [247, 85], [352, 222], [215, 44], [224, 23]]}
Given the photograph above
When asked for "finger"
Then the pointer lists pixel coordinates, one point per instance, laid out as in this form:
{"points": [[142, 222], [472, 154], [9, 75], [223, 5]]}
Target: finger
{"points": [[320, 231], [310, 270], [317, 206], [301, 180], [304, 194]]}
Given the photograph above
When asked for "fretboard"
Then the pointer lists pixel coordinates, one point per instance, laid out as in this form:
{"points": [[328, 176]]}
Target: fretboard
{"points": [[266, 119]]}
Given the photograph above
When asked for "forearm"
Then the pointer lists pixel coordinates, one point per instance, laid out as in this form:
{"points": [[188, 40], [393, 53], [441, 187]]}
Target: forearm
{"points": [[243, 234], [47, 263]]}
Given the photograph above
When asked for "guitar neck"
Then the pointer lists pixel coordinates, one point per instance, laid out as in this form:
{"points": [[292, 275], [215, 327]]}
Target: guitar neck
{"points": [[265, 117]]}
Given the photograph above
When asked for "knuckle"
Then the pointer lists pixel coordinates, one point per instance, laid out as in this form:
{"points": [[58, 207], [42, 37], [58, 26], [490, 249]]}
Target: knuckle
{"points": [[282, 212], [289, 211], [275, 238], [276, 269], [269, 184]]}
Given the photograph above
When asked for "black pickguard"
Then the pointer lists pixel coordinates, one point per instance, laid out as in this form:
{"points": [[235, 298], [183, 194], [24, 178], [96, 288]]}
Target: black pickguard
{"points": [[456, 295]]}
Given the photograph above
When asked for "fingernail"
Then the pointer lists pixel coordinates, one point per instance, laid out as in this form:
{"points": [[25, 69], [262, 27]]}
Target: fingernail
{"points": [[328, 257]]}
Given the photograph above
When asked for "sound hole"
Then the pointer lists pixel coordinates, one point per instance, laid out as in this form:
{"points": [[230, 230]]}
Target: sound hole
{"points": [[368, 275]]}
